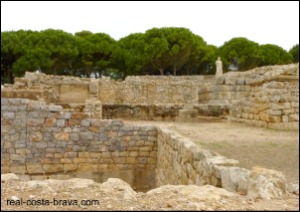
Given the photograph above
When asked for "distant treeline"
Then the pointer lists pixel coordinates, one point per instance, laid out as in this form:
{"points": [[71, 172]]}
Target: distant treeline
{"points": [[158, 51]]}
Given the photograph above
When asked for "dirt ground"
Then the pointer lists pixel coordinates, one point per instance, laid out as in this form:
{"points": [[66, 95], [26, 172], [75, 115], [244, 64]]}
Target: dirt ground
{"points": [[85, 194], [252, 146]]}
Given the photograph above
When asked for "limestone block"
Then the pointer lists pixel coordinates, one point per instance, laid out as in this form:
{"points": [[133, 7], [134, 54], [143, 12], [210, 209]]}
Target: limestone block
{"points": [[34, 169], [145, 148], [220, 80], [79, 160], [233, 178], [70, 154], [292, 188], [86, 136], [60, 122], [36, 137], [50, 168], [285, 119], [266, 184], [66, 160], [55, 108], [87, 167], [18, 169], [105, 154], [131, 160], [240, 81], [133, 153], [62, 136], [8, 115], [41, 145], [230, 81], [294, 117], [50, 122], [275, 119], [152, 160], [9, 177], [85, 154], [120, 160]]}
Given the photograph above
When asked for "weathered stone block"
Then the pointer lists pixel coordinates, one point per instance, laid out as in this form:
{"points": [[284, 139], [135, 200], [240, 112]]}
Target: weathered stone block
{"points": [[131, 160], [70, 167], [18, 169], [62, 136], [34, 169]]}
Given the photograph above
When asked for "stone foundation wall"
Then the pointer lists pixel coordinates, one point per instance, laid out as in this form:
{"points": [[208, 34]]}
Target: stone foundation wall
{"points": [[141, 112], [161, 97], [149, 91], [183, 162], [44, 141], [143, 90], [273, 101]]}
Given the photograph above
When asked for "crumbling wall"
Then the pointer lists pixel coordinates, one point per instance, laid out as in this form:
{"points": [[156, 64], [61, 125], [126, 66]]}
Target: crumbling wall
{"points": [[142, 112], [181, 162], [162, 97], [44, 141], [273, 100], [148, 91]]}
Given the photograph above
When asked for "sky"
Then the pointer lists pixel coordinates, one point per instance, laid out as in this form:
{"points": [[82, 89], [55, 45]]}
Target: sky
{"points": [[216, 22]]}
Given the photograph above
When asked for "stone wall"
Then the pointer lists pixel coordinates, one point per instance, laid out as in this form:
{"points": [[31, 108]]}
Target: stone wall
{"points": [[142, 112], [145, 90], [273, 100], [44, 141], [162, 97], [181, 162], [149, 91], [41, 141]]}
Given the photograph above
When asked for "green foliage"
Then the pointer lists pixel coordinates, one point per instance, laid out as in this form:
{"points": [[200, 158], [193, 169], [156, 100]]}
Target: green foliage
{"points": [[12, 48], [130, 55], [240, 52], [271, 55], [168, 50], [94, 52], [32, 60], [294, 51]]}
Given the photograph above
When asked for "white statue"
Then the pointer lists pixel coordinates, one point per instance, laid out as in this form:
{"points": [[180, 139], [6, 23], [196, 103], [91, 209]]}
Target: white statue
{"points": [[219, 67]]}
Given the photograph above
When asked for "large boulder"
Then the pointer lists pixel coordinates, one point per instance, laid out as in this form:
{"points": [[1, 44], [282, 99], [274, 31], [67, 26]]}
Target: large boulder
{"points": [[119, 186], [234, 179], [266, 184], [197, 193], [294, 188]]}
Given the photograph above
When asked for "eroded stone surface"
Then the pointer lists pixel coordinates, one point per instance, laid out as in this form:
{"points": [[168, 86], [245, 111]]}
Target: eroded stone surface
{"points": [[266, 184]]}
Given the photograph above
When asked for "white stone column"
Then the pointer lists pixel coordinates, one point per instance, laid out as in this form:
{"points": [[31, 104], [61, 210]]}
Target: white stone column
{"points": [[219, 67]]}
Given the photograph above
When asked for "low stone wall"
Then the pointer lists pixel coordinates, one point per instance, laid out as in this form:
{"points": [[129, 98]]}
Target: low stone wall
{"points": [[181, 162], [148, 91], [273, 104], [144, 90], [141, 112], [43, 141], [161, 97]]}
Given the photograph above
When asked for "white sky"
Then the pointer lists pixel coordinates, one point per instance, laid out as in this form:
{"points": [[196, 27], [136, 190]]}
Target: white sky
{"points": [[217, 22]]}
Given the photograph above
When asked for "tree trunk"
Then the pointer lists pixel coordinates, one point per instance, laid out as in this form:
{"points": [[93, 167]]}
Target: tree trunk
{"points": [[10, 74], [175, 68]]}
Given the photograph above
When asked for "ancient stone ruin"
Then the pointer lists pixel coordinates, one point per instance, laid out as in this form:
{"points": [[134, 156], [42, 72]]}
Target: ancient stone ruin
{"points": [[64, 127]]}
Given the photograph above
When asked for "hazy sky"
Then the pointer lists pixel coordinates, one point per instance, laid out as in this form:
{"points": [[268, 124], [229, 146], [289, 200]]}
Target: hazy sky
{"points": [[217, 22]]}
